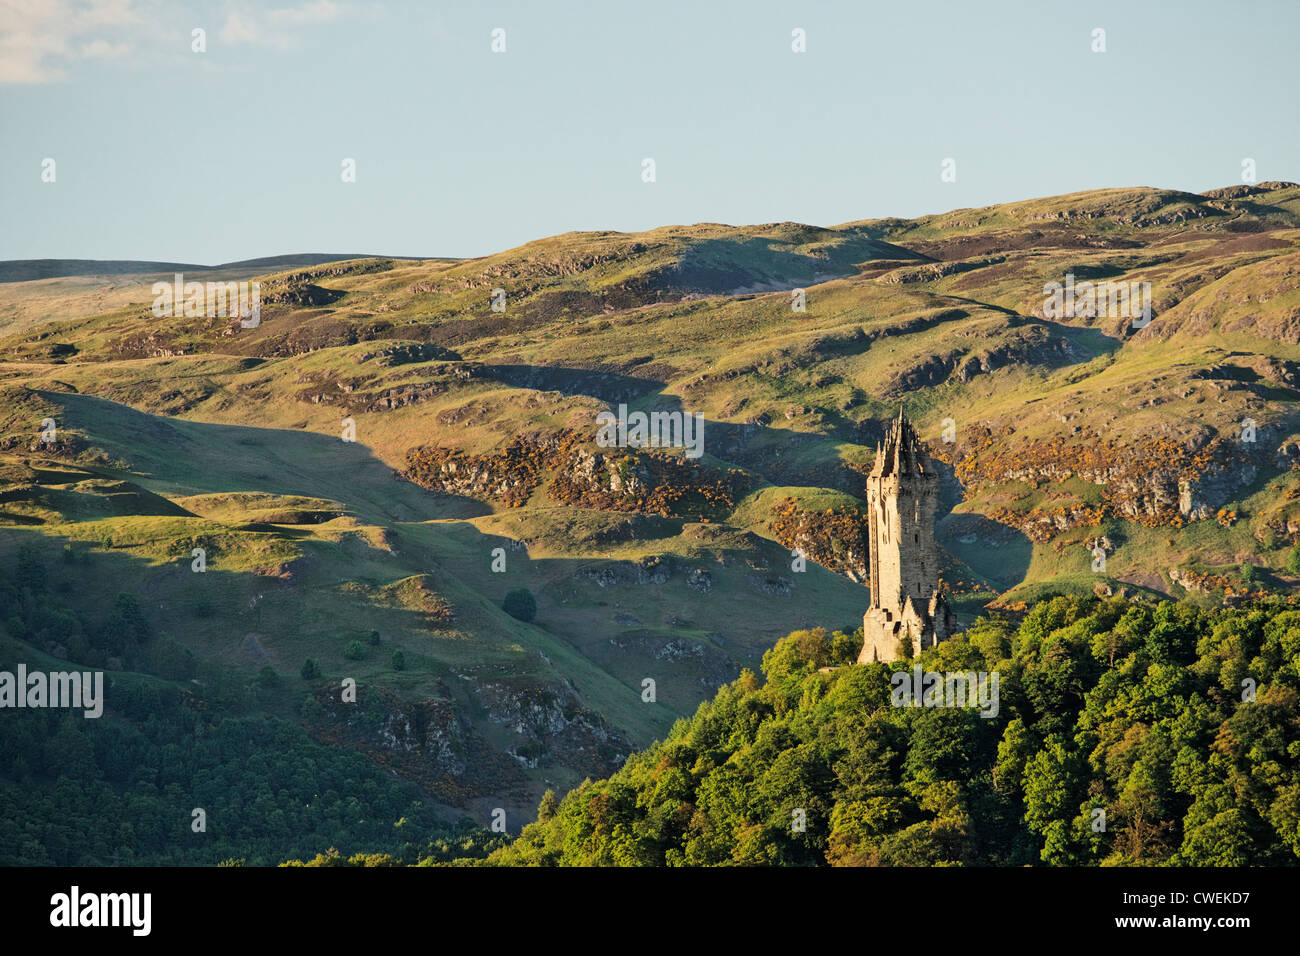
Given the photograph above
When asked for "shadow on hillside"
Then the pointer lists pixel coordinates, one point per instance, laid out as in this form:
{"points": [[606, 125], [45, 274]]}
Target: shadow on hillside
{"points": [[182, 458], [998, 553], [1092, 340], [776, 454], [191, 458], [976, 544], [609, 387]]}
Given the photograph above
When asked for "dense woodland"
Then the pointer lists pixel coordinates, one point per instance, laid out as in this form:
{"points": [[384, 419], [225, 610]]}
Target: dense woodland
{"points": [[176, 736], [1134, 709]]}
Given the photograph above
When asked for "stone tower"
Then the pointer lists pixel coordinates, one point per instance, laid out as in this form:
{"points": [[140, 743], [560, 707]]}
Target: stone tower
{"points": [[902, 495]]}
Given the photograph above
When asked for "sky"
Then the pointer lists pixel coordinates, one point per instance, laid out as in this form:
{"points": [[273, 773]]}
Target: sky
{"points": [[164, 153]]}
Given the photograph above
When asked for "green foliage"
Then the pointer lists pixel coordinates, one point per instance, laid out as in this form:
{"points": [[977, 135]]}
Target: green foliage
{"points": [[399, 661], [310, 669], [120, 788], [520, 604], [546, 809], [1131, 709], [1293, 560], [355, 651]]}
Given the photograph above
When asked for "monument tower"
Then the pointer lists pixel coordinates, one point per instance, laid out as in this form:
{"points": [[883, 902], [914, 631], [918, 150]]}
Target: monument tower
{"points": [[906, 603]]}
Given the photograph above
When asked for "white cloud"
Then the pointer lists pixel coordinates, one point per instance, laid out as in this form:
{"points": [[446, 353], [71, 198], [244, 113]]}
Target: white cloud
{"points": [[40, 38], [279, 28], [104, 50]]}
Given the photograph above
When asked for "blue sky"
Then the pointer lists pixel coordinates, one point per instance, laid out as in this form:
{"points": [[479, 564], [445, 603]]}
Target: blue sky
{"points": [[234, 153]]}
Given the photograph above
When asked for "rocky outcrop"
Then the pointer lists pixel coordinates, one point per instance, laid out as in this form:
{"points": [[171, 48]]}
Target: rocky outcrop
{"points": [[643, 482], [1160, 481], [647, 483], [836, 538], [773, 586], [652, 569], [931, 271], [1028, 345], [405, 353], [509, 477], [555, 727]]}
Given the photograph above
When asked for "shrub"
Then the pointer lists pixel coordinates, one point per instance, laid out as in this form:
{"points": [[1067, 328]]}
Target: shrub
{"points": [[309, 670], [520, 604], [399, 661], [354, 651]]}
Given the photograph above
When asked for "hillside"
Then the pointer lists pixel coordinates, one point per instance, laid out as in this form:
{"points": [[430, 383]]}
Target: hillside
{"points": [[474, 431], [1118, 736]]}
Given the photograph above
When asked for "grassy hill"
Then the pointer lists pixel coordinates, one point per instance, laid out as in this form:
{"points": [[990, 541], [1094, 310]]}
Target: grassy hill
{"points": [[474, 431]]}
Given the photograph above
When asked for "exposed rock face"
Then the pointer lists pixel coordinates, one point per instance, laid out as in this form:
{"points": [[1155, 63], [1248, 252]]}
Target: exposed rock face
{"points": [[429, 729], [713, 666], [700, 580], [1203, 582], [652, 569], [425, 739], [642, 482], [1026, 344], [300, 294], [433, 741], [836, 538], [405, 353], [1160, 481], [931, 271], [509, 477], [773, 586], [648, 483], [554, 723], [906, 603]]}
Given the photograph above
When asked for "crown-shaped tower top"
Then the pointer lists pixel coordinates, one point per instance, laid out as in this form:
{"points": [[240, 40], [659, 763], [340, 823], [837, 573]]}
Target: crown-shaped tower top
{"points": [[902, 453]]}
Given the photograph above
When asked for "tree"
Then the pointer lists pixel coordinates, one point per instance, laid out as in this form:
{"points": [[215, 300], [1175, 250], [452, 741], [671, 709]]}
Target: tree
{"points": [[375, 639], [1293, 560], [31, 569], [520, 604], [355, 651], [310, 671], [399, 661], [1053, 793], [905, 649], [546, 809]]}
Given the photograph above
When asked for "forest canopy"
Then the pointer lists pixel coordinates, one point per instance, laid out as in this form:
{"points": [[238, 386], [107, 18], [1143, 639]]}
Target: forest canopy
{"points": [[1127, 734]]}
